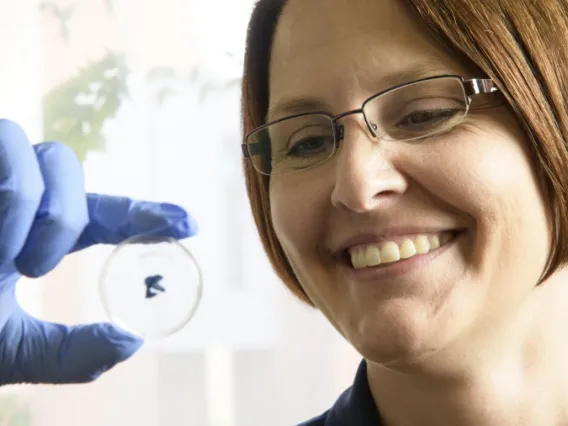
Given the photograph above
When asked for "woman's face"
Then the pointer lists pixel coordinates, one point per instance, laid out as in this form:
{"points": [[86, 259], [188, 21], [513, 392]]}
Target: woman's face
{"points": [[474, 190]]}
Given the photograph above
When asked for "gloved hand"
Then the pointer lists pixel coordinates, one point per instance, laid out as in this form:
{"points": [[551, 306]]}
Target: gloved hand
{"points": [[44, 215]]}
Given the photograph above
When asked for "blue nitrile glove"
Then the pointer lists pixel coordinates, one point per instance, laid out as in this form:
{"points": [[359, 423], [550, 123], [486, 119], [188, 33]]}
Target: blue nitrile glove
{"points": [[45, 214]]}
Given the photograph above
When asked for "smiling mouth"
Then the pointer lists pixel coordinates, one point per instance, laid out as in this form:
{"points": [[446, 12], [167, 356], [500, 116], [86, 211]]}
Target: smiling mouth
{"points": [[386, 253]]}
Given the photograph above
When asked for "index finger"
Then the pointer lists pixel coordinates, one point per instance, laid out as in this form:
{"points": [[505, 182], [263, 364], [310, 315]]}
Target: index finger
{"points": [[21, 189], [114, 219]]}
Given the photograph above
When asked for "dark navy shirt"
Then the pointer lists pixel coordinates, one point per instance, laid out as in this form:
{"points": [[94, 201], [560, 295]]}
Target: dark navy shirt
{"points": [[355, 407]]}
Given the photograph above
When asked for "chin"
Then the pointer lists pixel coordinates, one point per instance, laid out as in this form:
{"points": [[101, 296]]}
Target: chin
{"points": [[396, 354], [398, 337]]}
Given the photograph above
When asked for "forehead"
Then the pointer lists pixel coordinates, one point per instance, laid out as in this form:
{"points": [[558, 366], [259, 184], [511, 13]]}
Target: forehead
{"points": [[341, 49], [304, 25]]}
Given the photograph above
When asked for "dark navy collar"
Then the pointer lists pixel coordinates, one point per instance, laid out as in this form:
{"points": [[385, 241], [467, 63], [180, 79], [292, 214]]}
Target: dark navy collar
{"points": [[355, 407]]}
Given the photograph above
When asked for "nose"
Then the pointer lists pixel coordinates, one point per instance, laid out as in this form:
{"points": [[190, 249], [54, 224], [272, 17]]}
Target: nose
{"points": [[365, 175]]}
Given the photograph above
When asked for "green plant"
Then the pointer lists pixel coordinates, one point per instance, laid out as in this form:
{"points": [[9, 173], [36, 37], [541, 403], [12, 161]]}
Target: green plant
{"points": [[76, 110]]}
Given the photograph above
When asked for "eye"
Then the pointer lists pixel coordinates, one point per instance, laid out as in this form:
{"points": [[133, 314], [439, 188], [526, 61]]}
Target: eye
{"points": [[311, 146], [310, 141], [430, 119]]}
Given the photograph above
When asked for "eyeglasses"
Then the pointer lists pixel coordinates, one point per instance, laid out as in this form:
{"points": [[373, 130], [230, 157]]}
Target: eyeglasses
{"points": [[407, 112]]}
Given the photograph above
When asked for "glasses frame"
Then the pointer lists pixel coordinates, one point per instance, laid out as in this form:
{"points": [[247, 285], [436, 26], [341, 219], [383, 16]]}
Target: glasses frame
{"points": [[471, 87]]}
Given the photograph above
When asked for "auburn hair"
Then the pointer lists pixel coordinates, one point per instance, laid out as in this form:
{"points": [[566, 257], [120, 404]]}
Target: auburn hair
{"points": [[520, 44]]}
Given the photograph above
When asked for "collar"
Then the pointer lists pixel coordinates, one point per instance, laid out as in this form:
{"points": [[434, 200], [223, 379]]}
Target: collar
{"points": [[355, 407]]}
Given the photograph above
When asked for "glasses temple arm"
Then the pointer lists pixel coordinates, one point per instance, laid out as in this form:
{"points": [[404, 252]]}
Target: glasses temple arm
{"points": [[478, 86]]}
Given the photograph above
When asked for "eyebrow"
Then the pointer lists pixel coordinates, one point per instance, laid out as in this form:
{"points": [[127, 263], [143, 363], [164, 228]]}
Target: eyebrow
{"points": [[290, 106]]}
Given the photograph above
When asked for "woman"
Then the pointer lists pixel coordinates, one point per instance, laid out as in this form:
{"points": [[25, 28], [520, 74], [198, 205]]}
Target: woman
{"points": [[406, 166]]}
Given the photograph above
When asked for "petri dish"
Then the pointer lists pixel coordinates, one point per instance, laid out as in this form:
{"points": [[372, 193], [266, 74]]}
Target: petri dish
{"points": [[150, 286]]}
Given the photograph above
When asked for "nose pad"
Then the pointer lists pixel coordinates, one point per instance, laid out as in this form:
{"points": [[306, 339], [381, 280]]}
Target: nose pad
{"points": [[340, 128], [340, 133], [373, 128]]}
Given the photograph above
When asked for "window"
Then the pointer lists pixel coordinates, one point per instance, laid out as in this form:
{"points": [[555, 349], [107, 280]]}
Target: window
{"points": [[252, 351]]}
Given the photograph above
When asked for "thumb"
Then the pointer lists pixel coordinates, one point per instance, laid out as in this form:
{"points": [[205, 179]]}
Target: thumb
{"points": [[91, 350], [57, 354]]}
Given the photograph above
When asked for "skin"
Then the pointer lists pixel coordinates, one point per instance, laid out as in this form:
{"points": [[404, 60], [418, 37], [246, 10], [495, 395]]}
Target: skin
{"points": [[469, 338]]}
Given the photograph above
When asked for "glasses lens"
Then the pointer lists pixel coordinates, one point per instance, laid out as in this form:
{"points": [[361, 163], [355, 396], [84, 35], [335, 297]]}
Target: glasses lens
{"points": [[292, 144], [418, 110]]}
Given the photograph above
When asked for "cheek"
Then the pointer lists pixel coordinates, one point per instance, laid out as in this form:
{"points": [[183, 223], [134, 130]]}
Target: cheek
{"points": [[488, 175], [298, 216]]}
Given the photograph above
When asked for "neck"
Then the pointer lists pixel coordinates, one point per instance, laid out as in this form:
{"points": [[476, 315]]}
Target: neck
{"points": [[514, 374]]}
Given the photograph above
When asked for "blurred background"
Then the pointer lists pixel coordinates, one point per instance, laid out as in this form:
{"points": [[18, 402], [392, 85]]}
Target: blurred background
{"points": [[146, 93]]}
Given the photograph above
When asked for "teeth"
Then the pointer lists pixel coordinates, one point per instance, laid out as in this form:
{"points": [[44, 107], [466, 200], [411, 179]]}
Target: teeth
{"points": [[359, 258], [407, 249], [434, 241], [373, 256], [388, 252], [422, 244]]}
